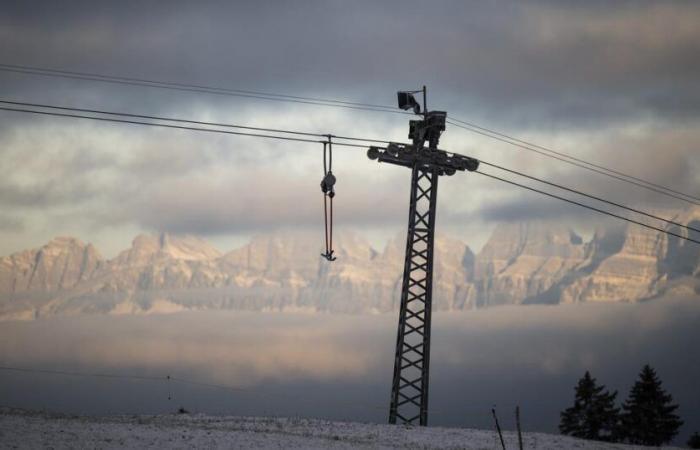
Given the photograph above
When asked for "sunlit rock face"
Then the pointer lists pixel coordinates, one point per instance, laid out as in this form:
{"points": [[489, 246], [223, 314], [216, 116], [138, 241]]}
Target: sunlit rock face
{"points": [[522, 263], [60, 264], [284, 259], [522, 260], [632, 263], [622, 264], [160, 261], [381, 277], [682, 258], [453, 279]]}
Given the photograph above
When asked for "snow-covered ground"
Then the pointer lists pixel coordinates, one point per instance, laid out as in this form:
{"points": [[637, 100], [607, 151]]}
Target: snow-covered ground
{"points": [[27, 429]]}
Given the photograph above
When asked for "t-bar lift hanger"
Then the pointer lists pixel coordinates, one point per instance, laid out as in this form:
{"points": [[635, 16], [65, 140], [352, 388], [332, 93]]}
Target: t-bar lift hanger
{"points": [[327, 187]]}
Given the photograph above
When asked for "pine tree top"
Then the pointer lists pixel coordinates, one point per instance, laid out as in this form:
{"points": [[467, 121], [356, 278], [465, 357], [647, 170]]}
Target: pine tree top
{"points": [[593, 415], [648, 416]]}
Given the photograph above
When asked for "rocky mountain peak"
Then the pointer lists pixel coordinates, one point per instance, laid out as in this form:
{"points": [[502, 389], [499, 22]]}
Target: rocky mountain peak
{"points": [[521, 260], [59, 264], [527, 240], [148, 248], [297, 254], [64, 242], [521, 263]]}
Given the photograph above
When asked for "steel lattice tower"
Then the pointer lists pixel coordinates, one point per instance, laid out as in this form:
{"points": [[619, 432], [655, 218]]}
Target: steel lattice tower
{"points": [[409, 391]]}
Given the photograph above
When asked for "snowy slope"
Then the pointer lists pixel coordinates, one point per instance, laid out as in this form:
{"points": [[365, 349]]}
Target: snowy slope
{"points": [[24, 429]]}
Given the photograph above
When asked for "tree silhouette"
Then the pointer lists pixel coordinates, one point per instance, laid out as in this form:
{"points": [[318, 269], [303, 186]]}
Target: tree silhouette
{"points": [[593, 415], [694, 441], [648, 413]]}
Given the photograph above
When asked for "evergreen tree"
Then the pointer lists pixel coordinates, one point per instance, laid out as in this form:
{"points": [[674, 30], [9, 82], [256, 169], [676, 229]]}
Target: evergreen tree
{"points": [[594, 415], [648, 417], [694, 441]]}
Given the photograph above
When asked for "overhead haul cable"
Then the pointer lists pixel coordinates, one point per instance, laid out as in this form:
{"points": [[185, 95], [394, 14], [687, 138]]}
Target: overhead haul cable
{"points": [[593, 197], [592, 169], [583, 205], [469, 126], [302, 133], [529, 146], [179, 127], [195, 88], [295, 139]]}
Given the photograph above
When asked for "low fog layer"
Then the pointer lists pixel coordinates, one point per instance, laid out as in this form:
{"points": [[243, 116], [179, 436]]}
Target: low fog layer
{"points": [[339, 366]]}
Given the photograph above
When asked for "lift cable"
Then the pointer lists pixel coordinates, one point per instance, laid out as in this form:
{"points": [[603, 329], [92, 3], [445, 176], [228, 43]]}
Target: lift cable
{"points": [[103, 77], [592, 169], [583, 205], [325, 142], [169, 119], [212, 130], [179, 127], [197, 89], [593, 197], [615, 174], [258, 390], [529, 146], [82, 374], [190, 121], [250, 390]]}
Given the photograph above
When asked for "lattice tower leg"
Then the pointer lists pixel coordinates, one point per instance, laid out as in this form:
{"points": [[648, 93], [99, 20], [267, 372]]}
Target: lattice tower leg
{"points": [[409, 392]]}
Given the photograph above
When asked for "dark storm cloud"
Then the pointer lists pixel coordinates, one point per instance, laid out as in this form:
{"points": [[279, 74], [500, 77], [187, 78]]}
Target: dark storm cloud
{"points": [[541, 68], [523, 61]]}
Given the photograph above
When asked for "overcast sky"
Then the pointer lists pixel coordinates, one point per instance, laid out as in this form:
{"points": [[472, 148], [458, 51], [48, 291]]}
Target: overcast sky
{"points": [[617, 83]]}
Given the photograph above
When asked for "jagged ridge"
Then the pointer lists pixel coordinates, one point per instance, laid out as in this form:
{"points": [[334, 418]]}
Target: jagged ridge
{"points": [[521, 263]]}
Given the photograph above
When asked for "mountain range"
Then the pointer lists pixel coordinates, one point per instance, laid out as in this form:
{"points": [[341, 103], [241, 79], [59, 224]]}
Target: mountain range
{"points": [[521, 263]]}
